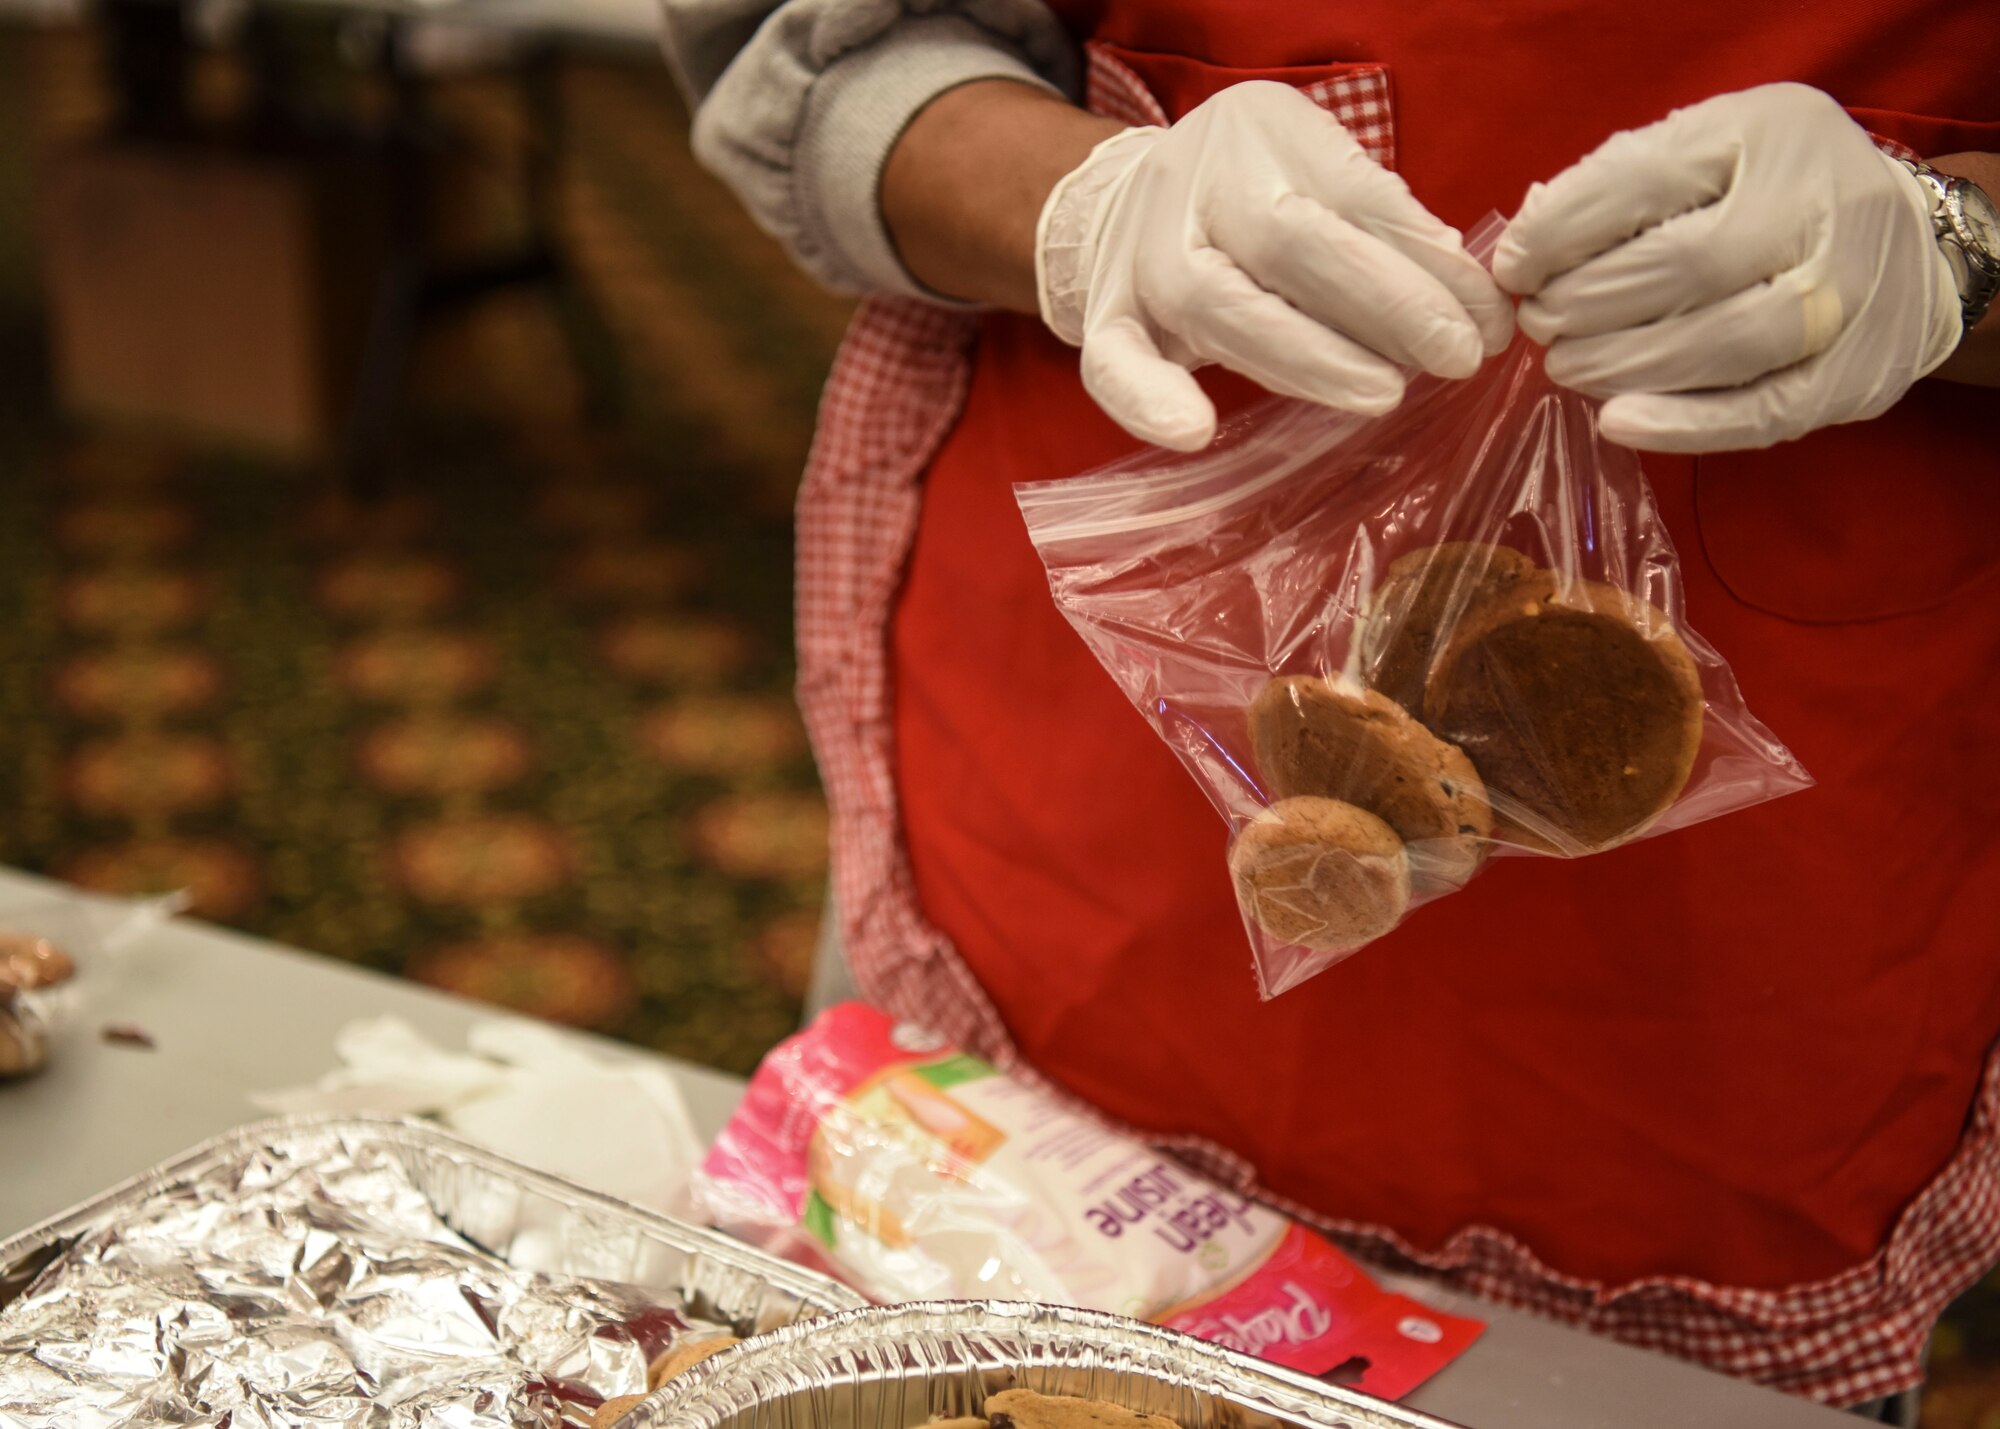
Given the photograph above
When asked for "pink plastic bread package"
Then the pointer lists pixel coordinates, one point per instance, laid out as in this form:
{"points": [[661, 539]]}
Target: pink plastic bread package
{"points": [[878, 1153], [1391, 649]]}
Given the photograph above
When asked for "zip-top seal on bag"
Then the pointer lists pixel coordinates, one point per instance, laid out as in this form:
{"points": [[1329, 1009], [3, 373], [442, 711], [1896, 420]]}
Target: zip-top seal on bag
{"points": [[1389, 648], [878, 1153]]}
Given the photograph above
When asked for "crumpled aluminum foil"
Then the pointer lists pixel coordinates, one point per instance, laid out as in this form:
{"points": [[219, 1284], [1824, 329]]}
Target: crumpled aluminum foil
{"points": [[304, 1286]]}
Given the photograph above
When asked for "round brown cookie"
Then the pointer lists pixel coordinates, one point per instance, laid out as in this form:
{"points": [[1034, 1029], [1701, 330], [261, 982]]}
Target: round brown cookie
{"points": [[613, 1410], [1365, 749], [1025, 1409], [1579, 706], [685, 1356], [1419, 595], [1320, 874]]}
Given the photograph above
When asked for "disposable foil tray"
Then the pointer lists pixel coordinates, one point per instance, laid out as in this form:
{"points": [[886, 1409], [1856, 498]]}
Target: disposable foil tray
{"points": [[168, 1237], [899, 1367]]}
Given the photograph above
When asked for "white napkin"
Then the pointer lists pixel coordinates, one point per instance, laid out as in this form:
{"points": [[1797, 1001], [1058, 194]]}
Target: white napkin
{"points": [[523, 1090]]}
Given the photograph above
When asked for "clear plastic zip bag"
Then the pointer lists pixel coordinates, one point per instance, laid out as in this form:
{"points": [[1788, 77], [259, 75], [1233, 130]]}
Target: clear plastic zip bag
{"points": [[1392, 648]]}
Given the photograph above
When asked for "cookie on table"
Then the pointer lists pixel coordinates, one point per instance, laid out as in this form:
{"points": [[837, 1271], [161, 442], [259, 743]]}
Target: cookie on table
{"points": [[684, 1356], [1419, 595], [1319, 873], [24, 1038], [1024, 1409], [1361, 747], [28, 962], [1579, 705]]}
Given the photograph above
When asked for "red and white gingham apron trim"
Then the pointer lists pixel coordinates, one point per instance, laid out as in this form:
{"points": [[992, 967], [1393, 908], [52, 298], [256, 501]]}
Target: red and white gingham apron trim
{"points": [[1359, 98], [894, 395], [896, 389], [1896, 149], [1112, 89]]}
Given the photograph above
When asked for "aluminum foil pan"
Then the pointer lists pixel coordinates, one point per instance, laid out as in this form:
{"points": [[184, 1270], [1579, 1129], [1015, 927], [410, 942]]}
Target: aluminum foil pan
{"points": [[897, 1367], [309, 1270]]}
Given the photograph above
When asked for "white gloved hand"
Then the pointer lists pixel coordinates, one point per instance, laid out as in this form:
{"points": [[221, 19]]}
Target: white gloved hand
{"points": [[1744, 271], [1255, 233]]}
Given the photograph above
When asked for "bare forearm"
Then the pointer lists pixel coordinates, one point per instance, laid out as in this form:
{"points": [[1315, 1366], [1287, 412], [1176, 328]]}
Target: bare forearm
{"points": [[966, 182], [1977, 360]]}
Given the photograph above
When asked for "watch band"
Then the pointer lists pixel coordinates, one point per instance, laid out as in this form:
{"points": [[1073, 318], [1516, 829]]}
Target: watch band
{"points": [[1972, 243]]}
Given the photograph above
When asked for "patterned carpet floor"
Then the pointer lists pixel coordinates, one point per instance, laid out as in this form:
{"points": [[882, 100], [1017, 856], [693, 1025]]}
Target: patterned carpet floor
{"points": [[523, 728]]}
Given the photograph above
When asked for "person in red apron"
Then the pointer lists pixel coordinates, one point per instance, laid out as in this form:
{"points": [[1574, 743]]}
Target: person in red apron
{"points": [[1728, 1094]]}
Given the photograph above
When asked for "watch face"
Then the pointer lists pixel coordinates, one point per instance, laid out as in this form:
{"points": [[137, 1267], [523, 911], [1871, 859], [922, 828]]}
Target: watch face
{"points": [[1980, 218]]}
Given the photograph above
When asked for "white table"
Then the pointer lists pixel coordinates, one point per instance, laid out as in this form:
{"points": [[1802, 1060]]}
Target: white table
{"points": [[231, 1014]]}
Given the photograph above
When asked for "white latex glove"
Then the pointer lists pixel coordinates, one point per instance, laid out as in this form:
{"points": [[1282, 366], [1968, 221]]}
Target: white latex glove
{"points": [[1746, 270], [1255, 233]]}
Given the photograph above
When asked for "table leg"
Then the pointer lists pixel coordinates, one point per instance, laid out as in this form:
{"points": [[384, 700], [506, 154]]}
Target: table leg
{"points": [[400, 291], [147, 54], [591, 345]]}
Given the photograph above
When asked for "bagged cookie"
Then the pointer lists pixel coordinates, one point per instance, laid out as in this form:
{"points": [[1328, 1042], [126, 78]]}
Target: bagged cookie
{"points": [[880, 1154], [1390, 649]]}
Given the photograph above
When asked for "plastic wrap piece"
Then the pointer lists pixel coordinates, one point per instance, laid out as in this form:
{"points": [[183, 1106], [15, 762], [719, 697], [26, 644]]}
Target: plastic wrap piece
{"points": [[309, 1271], [906, 1366], [1390, 648], [915, 1172]]}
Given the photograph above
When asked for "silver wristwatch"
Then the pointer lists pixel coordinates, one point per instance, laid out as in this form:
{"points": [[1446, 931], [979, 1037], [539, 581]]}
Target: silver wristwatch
{"points": [[1968, 233]]}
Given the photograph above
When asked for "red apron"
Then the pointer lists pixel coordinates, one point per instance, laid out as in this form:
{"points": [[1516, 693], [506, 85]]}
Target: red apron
{"points": [[1725, 1093]]}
